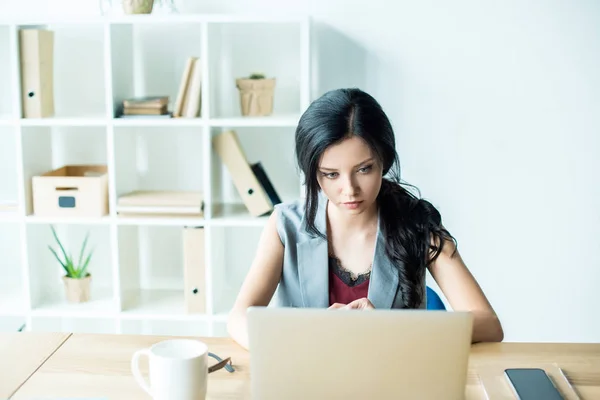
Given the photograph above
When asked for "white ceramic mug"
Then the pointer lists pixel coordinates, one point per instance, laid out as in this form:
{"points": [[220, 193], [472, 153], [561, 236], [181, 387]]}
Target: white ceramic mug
{"points": [[178, 370]]}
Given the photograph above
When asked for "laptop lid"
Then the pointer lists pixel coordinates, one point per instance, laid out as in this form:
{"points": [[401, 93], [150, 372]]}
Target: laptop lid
{"points": [[309, 353]]}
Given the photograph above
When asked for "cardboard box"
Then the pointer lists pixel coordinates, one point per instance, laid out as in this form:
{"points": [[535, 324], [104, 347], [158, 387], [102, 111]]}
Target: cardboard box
{"points": [[71, 191]]}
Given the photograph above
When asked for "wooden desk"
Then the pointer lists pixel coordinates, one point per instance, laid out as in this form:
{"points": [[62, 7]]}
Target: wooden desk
{"points": [[22, 354], [99, 366]]}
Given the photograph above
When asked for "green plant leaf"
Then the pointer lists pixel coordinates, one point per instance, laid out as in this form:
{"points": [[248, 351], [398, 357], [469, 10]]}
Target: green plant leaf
{"points": [[83, 249], [59, 260], [67, 260], [82, 271]]}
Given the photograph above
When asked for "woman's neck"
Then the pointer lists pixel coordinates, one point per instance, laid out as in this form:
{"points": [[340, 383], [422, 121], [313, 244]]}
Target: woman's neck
{"points": [[344, 222]]}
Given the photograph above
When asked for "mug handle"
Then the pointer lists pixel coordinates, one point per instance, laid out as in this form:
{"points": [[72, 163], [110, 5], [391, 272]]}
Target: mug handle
{"points": [[135, 369]]}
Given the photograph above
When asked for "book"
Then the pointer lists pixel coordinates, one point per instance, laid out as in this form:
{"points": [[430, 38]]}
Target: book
{"points": [[150, 116], [183, 87], [161, 202], [145, 111], [146, 102], [191, 103]]}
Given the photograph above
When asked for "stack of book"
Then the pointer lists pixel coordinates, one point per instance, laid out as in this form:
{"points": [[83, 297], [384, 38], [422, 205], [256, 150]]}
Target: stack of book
{"points": [[148, 106], [160, 203]]}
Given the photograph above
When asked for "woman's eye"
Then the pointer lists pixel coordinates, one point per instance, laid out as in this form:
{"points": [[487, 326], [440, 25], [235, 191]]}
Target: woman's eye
{"points": [[365, 169], [330, 175]]}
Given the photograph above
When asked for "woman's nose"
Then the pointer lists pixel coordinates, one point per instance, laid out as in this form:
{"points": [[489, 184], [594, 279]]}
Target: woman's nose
{"points": [[349, 186]]}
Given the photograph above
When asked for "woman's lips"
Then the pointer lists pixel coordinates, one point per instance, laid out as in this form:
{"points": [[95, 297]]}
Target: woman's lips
{"points": [[351, 205]]}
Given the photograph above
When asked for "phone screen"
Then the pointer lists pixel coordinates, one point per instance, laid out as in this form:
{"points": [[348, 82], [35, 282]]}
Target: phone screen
{"points": [[532, 384]]}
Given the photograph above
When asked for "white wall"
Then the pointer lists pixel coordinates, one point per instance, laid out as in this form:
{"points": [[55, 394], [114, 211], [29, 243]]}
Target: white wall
{"points": [[496, 106]]}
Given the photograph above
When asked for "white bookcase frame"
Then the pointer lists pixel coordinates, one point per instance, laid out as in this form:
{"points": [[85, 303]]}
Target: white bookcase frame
{"points": [[20, 297]]}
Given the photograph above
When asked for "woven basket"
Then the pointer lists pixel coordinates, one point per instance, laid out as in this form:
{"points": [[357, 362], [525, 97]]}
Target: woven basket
{"points": [[138, 6], [256, 96], [77, 290]]}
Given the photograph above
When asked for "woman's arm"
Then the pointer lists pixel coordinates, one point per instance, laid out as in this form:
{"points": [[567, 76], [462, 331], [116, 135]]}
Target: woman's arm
{"points": [[464, 294], [260, 282]]}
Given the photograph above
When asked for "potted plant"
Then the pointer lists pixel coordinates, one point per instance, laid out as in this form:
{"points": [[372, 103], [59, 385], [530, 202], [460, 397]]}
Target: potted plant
{"points": [[138, 6], [256, 94], [76, 279]]}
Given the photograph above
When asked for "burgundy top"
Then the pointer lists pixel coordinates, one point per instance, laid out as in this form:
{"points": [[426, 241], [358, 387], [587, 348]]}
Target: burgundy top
{"points": [[343, 287]]}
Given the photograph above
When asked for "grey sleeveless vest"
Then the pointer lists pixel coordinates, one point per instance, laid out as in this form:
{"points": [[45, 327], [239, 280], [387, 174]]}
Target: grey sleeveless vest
{"points": [[305, 277]]}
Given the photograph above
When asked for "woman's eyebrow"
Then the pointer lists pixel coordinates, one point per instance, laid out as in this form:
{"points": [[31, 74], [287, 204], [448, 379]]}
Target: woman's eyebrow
{"points": [[360, 163]]}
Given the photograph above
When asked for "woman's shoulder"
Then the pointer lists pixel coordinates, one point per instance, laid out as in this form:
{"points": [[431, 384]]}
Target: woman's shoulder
{"points": [[290, 214]]}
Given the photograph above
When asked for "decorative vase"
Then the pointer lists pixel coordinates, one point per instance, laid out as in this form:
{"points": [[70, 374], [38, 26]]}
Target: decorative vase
{"points": [[138, 6], [77, 290], [256, 96]]}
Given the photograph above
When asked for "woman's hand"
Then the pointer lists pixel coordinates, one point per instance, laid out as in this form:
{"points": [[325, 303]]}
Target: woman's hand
{"points": [[359, 304]]}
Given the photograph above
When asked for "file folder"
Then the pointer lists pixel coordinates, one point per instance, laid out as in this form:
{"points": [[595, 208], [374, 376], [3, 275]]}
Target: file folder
{"points": [[37, 72], [253, 194], [194, 271]]}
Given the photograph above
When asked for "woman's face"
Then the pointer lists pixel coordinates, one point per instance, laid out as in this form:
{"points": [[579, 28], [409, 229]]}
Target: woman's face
{"points": [[350, 175]]}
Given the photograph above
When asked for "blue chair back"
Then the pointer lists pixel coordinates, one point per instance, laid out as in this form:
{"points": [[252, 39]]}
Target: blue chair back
{"points": [[434, 302]]}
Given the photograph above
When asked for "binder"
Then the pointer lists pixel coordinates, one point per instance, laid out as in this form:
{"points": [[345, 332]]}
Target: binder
{"points": [[252, 192], [37, 72], [194, 270], [265, 182]]}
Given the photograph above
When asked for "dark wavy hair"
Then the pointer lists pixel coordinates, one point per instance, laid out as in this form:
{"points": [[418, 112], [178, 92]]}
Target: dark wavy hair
{"points": [[412, 226]]}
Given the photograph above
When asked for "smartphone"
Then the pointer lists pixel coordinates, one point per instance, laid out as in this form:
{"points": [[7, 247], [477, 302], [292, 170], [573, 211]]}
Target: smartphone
{"points": [[532, 384]]}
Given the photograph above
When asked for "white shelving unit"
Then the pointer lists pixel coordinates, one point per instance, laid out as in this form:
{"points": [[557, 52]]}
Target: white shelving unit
{"points": [[137, 267]]}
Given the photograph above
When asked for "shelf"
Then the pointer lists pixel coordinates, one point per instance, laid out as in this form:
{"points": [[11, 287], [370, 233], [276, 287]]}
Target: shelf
{"points": [[289, 120], [233, 265], [155, 158], [284, 120], [145, 62], [57, 121], [235, 215], [101, 304], [157, 304], [33, 219], [12, 301], [12, 295], [279, 166], [47, 148], [12, 323], [8, 169], [160, 221], [78, 76], [46, 285], [9, 217], [208, 18], [138, 263], [238, 50], [153, 19], [156, 122], [6, 82]]}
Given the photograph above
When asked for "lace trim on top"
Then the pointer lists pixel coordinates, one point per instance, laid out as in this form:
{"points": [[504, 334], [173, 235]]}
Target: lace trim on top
{"points": [[348, 277]]}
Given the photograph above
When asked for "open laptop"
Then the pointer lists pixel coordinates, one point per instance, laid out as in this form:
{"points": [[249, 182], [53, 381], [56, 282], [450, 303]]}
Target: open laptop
{"points": [[310, 353]]}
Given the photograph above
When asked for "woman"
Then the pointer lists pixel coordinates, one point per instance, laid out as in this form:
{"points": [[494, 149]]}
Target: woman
{"points": [[360, 240]]}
